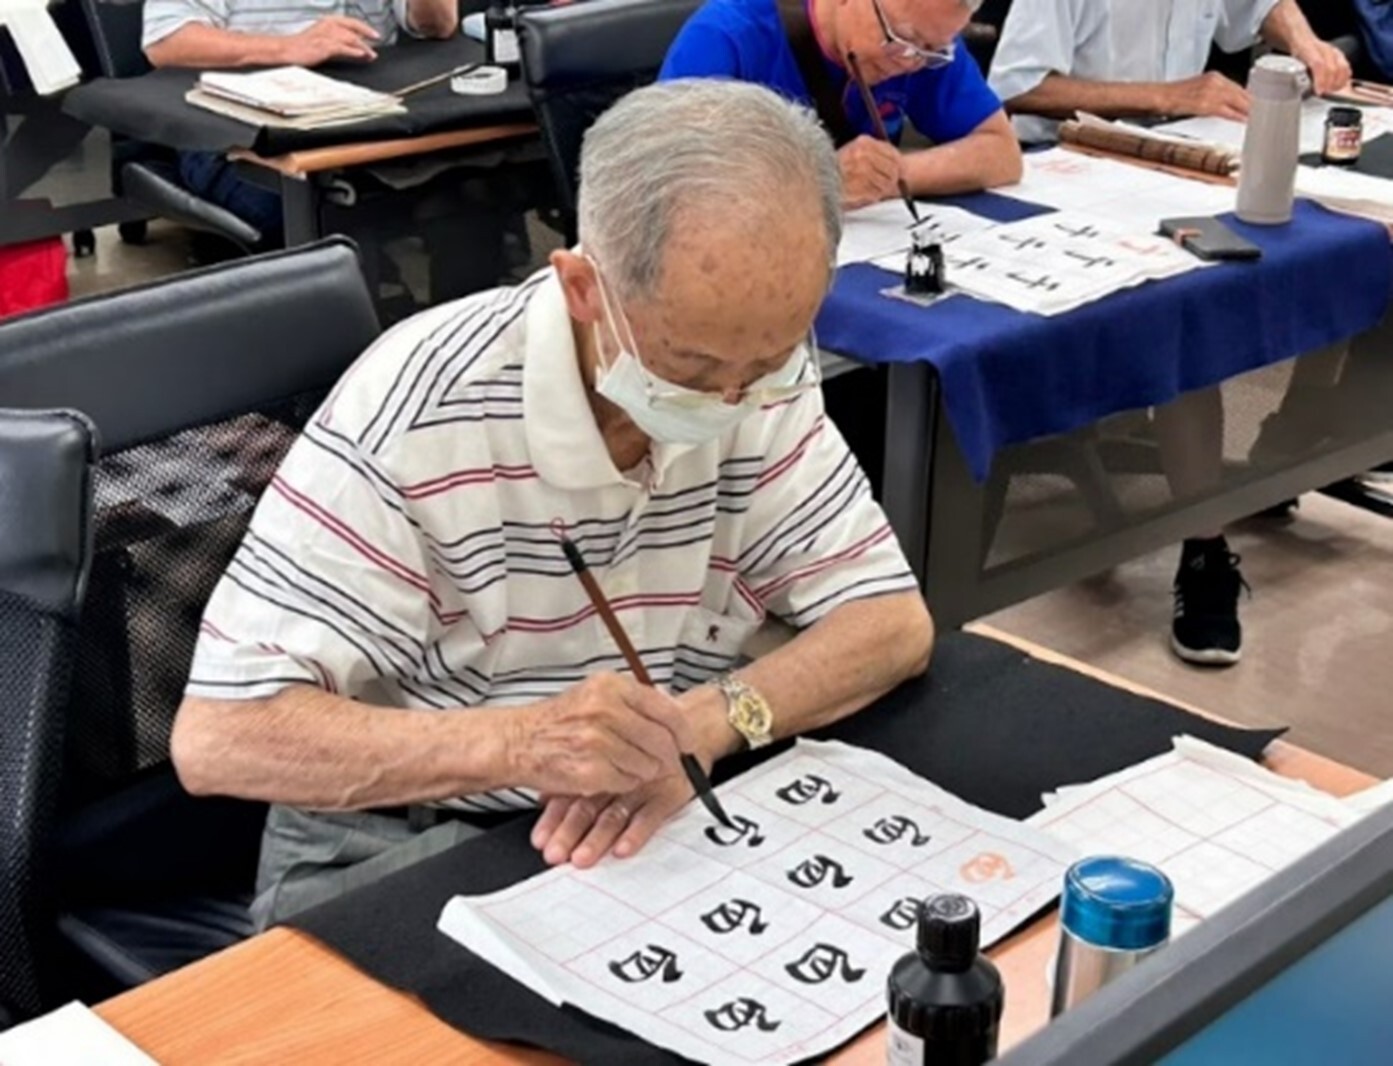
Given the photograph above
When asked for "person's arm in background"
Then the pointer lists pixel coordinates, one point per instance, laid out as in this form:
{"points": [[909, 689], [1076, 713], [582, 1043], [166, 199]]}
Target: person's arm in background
{"points": [[1285, 27], [974, 144], [199, 45], [987, 157], [1034, 64]]}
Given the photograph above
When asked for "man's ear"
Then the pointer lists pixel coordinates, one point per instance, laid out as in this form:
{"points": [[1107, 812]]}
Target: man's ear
{"points": [[579, 284]]}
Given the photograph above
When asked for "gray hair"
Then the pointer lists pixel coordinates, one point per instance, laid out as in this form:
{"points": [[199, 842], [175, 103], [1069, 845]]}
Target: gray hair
{"points": [[728, 148]]}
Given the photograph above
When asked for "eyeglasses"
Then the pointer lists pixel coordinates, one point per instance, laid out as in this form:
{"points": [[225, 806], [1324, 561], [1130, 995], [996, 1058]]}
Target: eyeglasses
{"points": [[807, 378], [900, 48]]}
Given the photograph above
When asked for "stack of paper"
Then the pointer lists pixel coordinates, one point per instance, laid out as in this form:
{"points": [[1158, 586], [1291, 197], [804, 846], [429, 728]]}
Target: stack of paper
{"points": [[1348, 192], [1213, 822], [769, 943], [290, 97], [1054, 263], [47, 58], [885, 229]]}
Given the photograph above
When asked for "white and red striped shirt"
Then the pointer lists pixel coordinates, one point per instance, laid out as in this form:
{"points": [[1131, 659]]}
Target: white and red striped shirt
{"points": [[405, 553]]}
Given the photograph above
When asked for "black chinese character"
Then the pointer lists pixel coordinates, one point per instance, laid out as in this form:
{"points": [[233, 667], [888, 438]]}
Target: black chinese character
{"points": [[820, 962], [889, 830], [902, 915], [644, 963], [739, 1013], [729, 836], [812, 872], [732, 915], [807, 788]]}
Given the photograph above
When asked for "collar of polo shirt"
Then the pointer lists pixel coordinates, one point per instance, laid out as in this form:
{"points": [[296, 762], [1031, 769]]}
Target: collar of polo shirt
{"points": [[566, 446]]}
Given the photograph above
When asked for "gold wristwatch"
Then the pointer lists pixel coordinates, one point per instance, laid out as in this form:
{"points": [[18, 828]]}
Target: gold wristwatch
{"points": [[747, 711]]}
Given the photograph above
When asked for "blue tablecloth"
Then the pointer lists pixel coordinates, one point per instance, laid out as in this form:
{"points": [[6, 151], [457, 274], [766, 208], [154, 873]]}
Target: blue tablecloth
{"points": [[1008, 377]]}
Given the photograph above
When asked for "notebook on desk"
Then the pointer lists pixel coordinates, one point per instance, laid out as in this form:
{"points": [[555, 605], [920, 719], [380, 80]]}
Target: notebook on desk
{"points": [[290, 98]]}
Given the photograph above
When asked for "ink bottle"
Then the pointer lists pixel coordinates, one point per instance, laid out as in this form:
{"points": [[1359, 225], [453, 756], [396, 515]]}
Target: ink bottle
{"points": [[501, 36], [1344, 136], [923, 272], [945, 998]]}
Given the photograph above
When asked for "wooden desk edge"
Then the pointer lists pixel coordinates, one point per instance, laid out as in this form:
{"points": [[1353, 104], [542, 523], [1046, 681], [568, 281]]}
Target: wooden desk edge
{"points": [[313, 160]]}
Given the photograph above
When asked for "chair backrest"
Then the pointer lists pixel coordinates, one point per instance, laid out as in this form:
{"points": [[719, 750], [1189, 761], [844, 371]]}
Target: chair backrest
{"points": [[116, 27], [579, 59], [198, 385], [45, 551]]}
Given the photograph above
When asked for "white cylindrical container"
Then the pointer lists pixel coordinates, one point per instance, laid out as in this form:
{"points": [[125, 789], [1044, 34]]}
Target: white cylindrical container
{"points": [[1272, 143]]}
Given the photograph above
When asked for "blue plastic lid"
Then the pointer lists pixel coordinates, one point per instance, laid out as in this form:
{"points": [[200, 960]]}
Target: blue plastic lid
{"points": [[1117, 903]]}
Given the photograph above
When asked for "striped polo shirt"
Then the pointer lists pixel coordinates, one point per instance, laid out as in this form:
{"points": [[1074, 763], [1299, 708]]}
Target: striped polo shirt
{"points": [[273, 18], [406, 554]]}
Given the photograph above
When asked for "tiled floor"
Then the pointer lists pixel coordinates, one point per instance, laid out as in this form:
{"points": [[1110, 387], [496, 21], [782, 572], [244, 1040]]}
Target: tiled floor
{"points": [[1318, 631]]}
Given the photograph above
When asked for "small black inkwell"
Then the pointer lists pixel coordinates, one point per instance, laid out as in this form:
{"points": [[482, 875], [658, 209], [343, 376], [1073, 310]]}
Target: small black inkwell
{"points": [[924, 271]]}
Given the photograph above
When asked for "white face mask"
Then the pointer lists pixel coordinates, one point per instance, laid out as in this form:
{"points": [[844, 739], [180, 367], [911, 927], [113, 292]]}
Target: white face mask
{"points": [[673, 414], [666, 419]]}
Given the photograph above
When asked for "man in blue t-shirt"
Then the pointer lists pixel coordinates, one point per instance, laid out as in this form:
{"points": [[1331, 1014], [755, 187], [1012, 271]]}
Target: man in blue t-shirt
{"points": [[908, 52]]}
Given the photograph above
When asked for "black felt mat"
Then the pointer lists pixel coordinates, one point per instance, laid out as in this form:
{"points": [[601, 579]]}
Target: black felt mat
{"points": [[989, 724], [151, 107]]}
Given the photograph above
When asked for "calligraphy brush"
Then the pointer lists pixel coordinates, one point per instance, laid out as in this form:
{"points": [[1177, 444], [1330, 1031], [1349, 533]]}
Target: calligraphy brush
{"points": [[874, 111], [695, 774]]}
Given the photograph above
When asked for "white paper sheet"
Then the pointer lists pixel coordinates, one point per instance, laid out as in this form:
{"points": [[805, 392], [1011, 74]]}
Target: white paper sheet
{"points": [[1213, 822], [47, 58], [770, 945], [885, 229], [1054, 263], [1133, 197], [69, 1036]]}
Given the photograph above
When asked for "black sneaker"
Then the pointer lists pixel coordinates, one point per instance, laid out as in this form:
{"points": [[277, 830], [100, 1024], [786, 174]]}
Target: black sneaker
{"points": [[1205, 630]]}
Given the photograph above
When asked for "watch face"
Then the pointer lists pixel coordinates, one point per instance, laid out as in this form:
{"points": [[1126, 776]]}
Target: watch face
{"points": [[753, 714]]}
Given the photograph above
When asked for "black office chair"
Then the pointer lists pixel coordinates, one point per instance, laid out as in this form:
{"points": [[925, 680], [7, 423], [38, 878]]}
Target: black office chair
{"points": [[45, 553], [146, 174], [198, 385], [579, 59]]}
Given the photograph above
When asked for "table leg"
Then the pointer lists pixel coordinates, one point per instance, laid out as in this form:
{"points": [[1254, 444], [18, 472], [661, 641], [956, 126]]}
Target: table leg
{"points": [[911, 420], [299, 210]]}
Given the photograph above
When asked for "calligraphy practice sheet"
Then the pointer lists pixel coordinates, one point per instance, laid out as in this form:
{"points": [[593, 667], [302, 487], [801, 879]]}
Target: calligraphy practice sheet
{"points": [[1053, 263], [769, 942], [1121, 194], [1213, 822], [885, 229]]}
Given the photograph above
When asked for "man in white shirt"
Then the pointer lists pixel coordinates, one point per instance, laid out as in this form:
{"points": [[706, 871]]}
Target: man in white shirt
{"points": [[221, 34], [401, 628], [1139, 58]]}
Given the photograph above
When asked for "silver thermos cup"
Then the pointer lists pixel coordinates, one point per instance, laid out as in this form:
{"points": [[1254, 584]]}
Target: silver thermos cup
{"points": [[1272, 142], [1113, 913]]}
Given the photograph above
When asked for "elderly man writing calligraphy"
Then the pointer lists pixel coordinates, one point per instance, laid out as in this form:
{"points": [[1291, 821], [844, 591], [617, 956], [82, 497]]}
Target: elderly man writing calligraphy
{"points": [[400, 632]]}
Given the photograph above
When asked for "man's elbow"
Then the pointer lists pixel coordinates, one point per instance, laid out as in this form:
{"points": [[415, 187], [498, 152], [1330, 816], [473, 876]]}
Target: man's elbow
{"points": [[161, 54], [1008, 162], [193, 748], [915, 636], [438, 24]]}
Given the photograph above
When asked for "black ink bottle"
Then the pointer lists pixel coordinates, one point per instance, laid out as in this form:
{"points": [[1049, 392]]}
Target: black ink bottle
{"points": [[945, 998], [923, 272]]}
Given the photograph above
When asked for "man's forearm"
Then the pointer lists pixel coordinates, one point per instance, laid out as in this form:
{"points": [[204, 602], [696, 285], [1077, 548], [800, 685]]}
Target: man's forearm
{"points": [[433, 18], [1286, 28], [853, 656], [1060, 96], [984, 159], [198, 46], [308, 748]]}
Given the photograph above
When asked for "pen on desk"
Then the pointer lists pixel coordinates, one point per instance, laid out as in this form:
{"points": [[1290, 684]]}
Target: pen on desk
{"points": [[695, 774], [426, 83], [874, 111]]}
